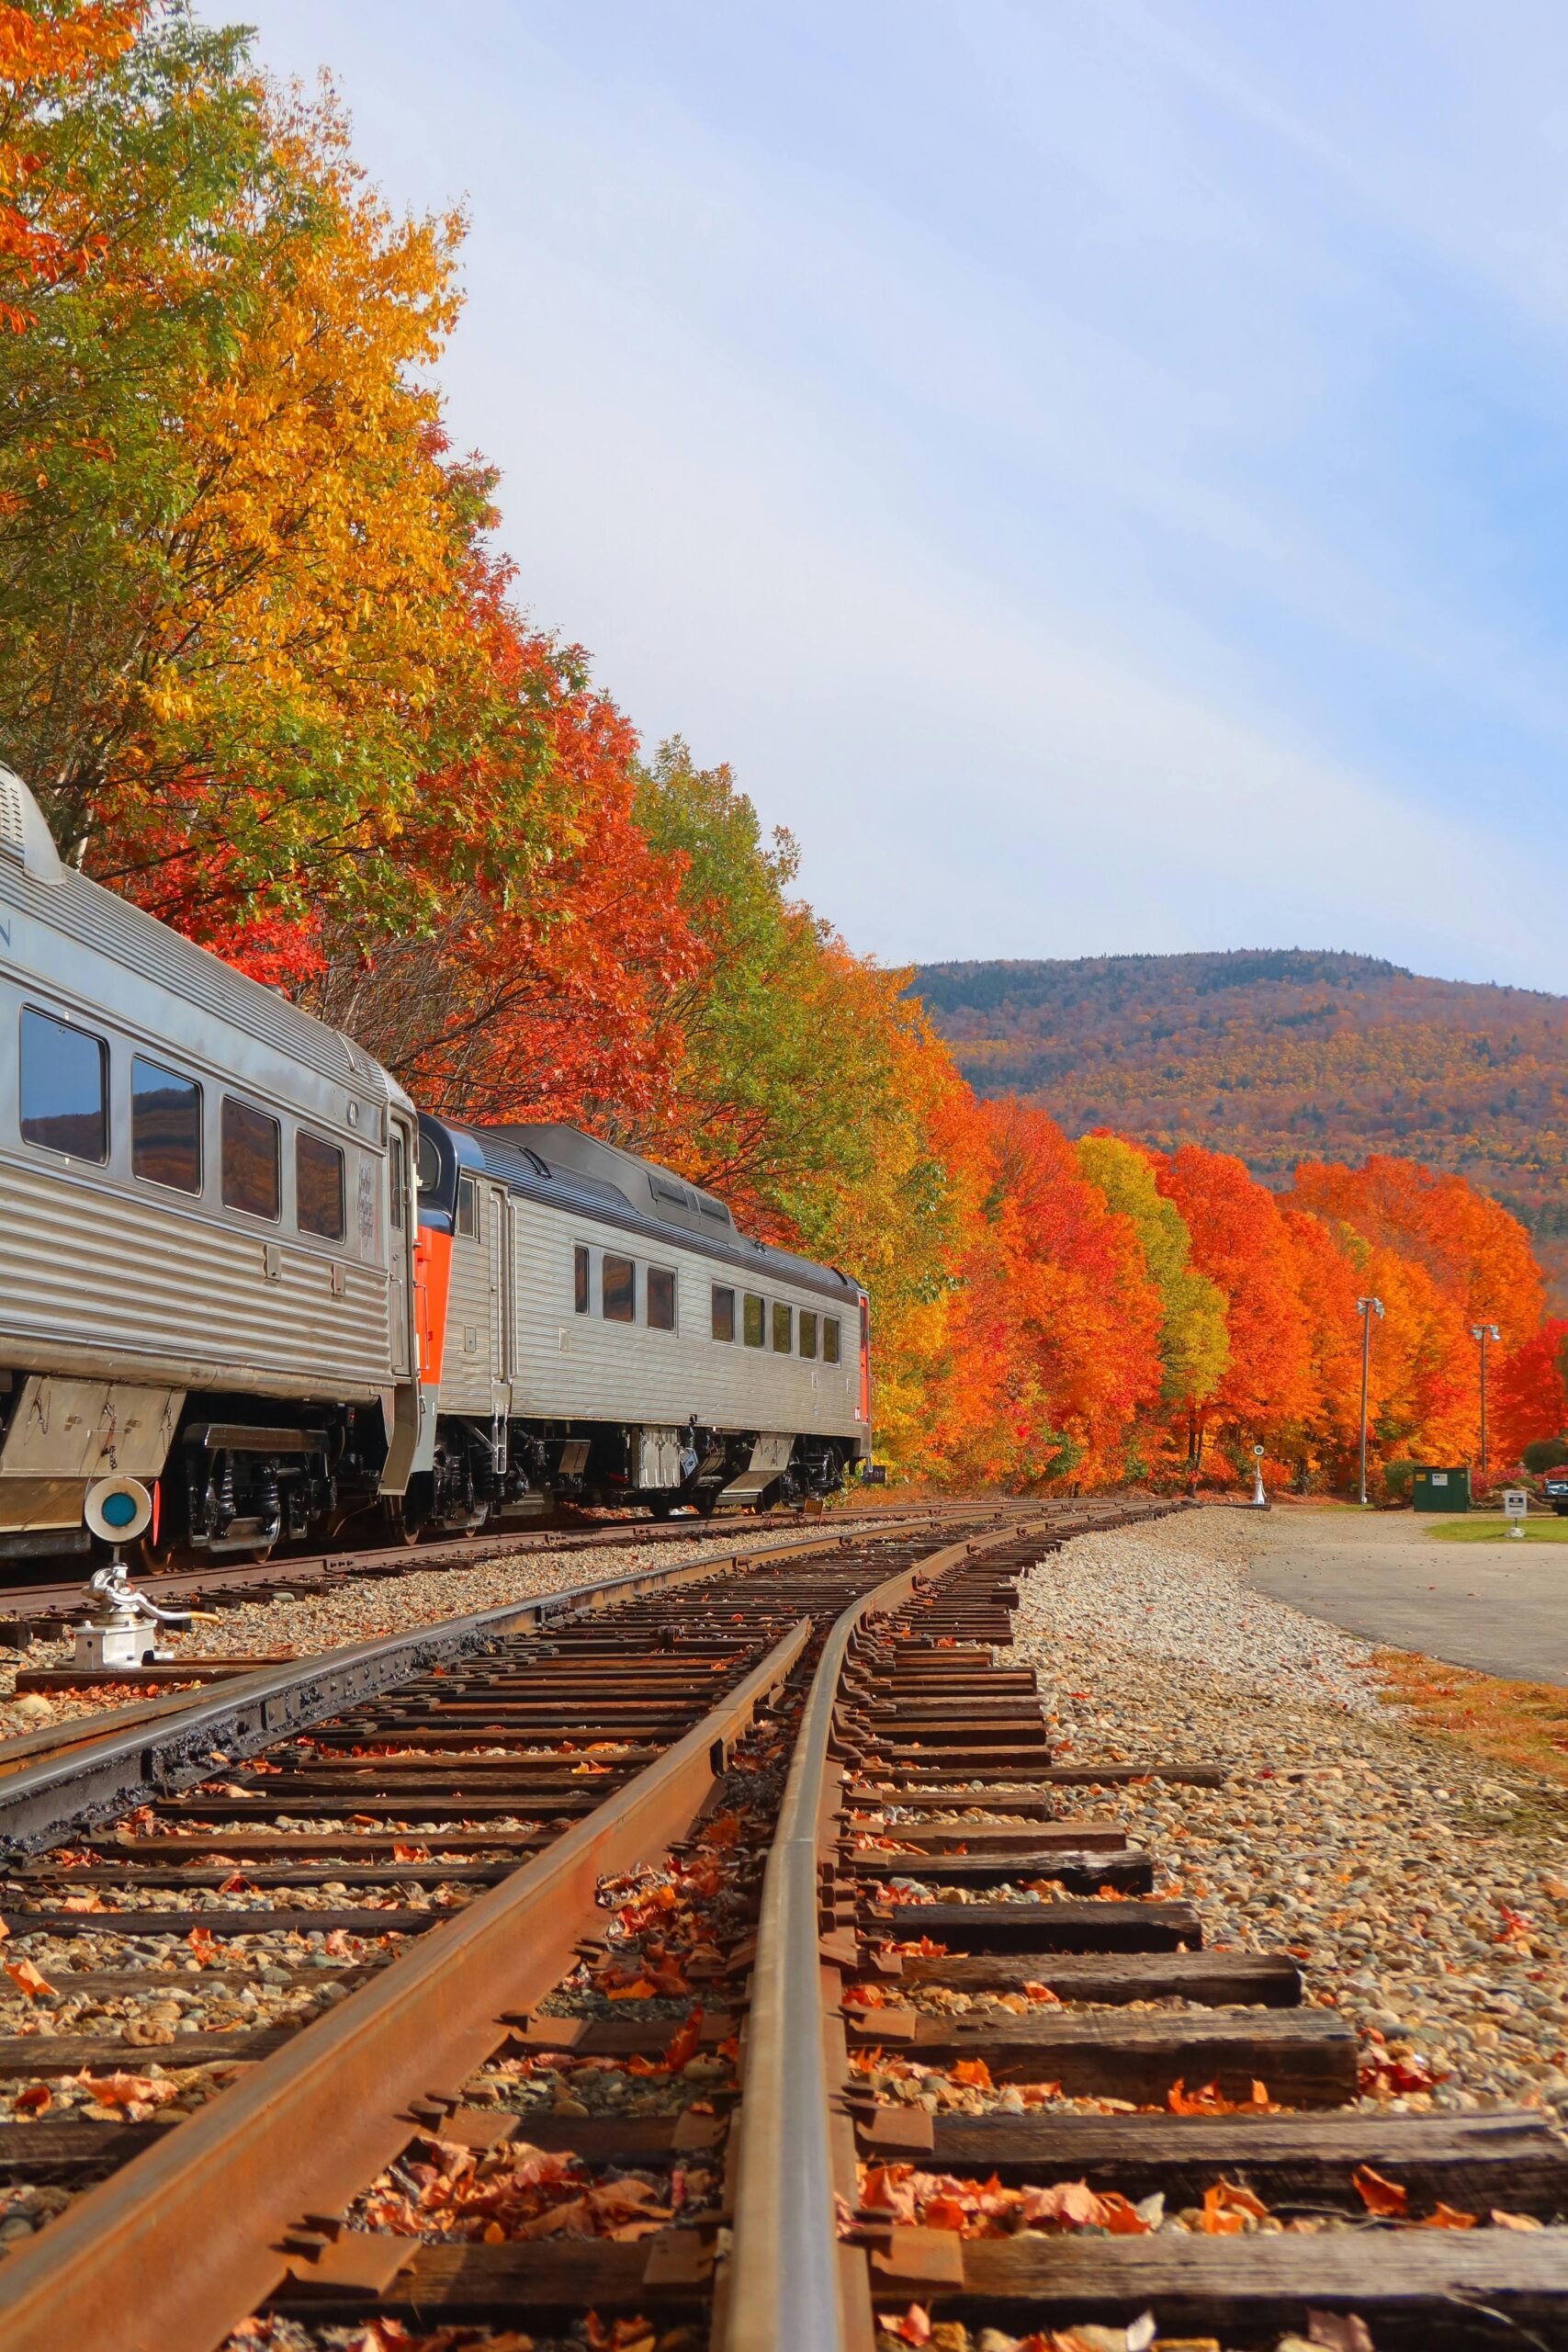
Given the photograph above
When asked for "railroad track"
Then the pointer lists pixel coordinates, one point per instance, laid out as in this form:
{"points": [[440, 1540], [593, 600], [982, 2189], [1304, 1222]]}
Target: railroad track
{"points": [[640, 1944], [42, 1611], [332, 1902]]}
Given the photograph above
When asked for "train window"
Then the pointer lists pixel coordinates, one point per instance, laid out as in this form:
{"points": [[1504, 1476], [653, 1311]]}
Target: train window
{"points": [[580, 1277], [467, 1209], [660, 1299], [65, 1097], [754, 1321], [251, 1180], [723, 1312], [617, 1289], [663, 1189], [781, 1318], [318, 1186], [166, 1127], [397, 1178], [830, 1339], [428, 1165], [807, 1332]]}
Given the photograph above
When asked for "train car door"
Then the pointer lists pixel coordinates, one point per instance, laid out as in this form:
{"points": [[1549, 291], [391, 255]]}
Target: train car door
{"points": [[496, 1270], [400, 1245]]}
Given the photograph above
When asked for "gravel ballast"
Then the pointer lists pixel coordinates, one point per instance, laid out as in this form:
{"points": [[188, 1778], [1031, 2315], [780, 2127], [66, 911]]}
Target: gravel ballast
{"points": [[1424, 1891]]}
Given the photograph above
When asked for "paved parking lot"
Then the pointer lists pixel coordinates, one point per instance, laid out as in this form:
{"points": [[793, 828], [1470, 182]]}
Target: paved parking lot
{"points": [[1499, 1606]]}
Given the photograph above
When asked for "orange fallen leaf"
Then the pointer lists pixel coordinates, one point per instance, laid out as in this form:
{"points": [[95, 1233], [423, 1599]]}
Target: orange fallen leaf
{"points": [[27, 1978], [1514, 2221], [1227, 2211], [34, 2099], [975, 2073], [127, 2090], [913, 2327], [683, 2046], [1379, 2196], [1446, 2217]]}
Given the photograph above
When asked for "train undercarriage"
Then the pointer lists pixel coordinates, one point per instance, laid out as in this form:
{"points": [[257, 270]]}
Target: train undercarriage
{"points": [[505, 1472]]}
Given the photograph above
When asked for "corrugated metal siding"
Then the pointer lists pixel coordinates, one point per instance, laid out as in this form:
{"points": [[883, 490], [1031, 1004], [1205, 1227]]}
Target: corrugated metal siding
{"points": [[580, 1367], [139, 1282]]}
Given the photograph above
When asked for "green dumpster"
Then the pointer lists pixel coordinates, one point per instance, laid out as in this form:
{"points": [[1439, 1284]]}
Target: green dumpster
{"points": [[1441, 1489]]}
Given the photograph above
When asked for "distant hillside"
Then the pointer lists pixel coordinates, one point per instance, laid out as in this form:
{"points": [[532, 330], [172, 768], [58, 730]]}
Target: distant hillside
{"points": [[1279, 1056]]}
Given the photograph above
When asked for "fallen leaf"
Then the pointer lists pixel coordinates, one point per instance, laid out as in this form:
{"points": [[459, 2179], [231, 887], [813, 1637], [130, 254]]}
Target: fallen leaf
{"points": [[1379, 2196], [975, 2073], [26, 1979], [127, 2090], [1514, 2221]]}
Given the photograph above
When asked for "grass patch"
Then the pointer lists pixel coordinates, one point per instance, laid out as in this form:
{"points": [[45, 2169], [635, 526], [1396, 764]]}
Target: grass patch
{"points": [[1522, 1724], [1485, 1529]]}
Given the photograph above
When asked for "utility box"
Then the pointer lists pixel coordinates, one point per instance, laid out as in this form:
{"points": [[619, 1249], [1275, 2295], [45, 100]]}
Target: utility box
{"points": [[1441, 1489]]}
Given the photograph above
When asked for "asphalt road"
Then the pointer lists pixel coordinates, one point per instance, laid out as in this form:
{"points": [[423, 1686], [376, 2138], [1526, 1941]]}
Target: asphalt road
{"points": [[1502, 1607]]}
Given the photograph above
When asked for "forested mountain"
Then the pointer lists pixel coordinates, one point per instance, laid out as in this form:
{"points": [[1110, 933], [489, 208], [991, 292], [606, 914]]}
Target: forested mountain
{"points": [[1280, 1055]]}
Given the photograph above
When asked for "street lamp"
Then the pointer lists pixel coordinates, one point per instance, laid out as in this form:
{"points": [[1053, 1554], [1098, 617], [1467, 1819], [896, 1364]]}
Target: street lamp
{"points": [[1484, 1331], [1366, 1308]]}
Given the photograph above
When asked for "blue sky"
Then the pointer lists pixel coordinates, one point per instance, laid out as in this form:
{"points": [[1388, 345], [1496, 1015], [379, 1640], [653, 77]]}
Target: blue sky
{"points": [[1097, 471]]}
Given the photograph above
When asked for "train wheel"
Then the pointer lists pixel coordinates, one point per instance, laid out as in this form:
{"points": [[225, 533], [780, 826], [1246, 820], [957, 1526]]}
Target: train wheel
{"points": [[401, 1522], [661, 1505]]}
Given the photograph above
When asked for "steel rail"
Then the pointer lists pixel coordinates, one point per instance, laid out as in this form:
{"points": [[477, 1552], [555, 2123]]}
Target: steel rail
{"points": [[181, 2243], [787, 2282], [86, 1779]]}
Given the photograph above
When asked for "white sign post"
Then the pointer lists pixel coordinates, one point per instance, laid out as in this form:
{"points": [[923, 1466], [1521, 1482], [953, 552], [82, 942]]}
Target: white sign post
{"points": [[1516, 1510]]}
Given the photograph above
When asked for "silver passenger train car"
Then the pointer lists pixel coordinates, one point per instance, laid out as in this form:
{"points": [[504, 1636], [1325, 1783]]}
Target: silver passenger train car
{"points": [[235, 1263]]}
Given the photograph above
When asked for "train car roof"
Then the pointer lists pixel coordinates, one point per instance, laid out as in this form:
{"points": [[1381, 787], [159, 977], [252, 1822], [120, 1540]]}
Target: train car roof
{"points": [[36, 878], [562, 1165]]}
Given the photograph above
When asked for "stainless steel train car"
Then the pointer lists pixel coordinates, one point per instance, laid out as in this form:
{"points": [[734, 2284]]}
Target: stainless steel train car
{"points": [[608, 1333], [234, 1262]]}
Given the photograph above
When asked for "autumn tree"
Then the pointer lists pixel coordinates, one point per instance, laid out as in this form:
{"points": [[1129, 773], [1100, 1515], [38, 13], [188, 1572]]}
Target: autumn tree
{"points": [[1240, 1242], [1194, 1342], [1529, 1400], [52, 227], [1476, 1253]]}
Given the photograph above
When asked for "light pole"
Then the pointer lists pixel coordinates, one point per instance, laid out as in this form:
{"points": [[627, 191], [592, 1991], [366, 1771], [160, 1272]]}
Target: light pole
{"points": [[1366, 1308], [1484, 1331]]}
